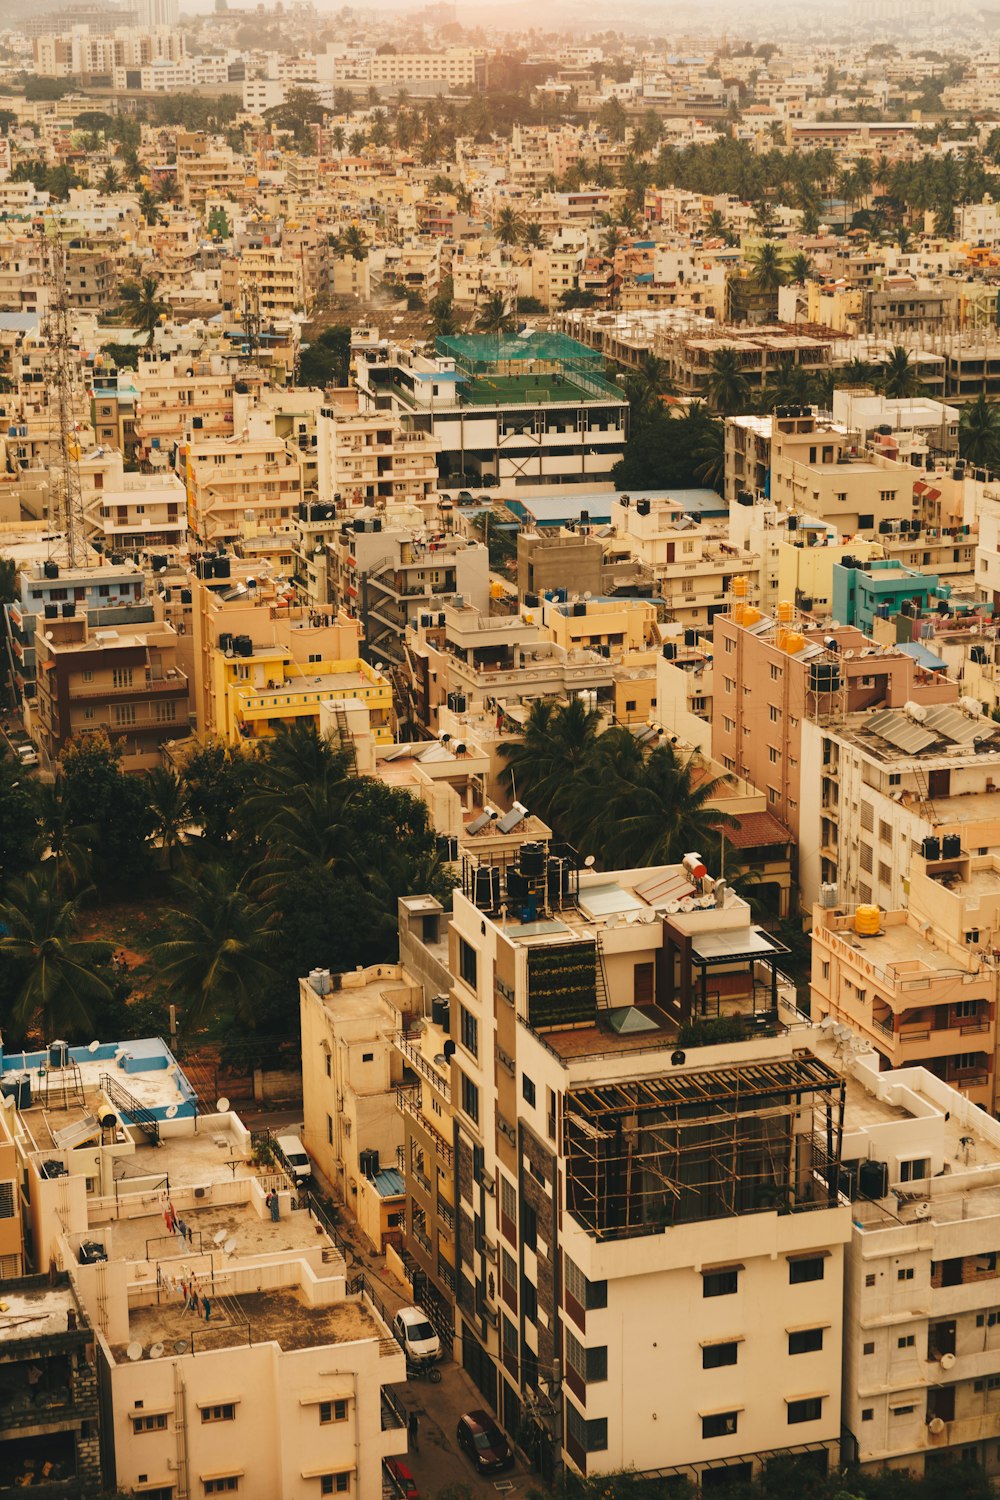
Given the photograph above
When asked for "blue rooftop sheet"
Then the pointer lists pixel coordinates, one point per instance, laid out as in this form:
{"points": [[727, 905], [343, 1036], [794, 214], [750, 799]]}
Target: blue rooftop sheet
{"points": [[923, 657], [389, 1183]]}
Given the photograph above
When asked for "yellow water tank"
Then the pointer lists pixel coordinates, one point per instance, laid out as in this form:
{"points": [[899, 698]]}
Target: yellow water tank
{"points": [[867, 921], [749, 614], [786, 612], [791, 641], [738, 587]]}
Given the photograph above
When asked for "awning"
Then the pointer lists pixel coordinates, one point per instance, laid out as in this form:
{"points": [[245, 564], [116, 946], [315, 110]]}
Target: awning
{"points": [[737, 943], [923, 657]]}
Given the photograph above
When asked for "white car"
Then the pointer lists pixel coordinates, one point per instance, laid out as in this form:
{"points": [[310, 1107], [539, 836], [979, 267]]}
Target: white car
{"points": [[27, 755], [413, 1329]]}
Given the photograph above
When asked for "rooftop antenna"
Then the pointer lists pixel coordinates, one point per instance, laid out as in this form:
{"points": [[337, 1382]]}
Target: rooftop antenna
{"points": [[67, 500]]}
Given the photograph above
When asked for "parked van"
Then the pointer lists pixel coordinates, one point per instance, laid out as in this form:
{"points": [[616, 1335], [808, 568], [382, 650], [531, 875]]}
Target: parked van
{"points": [[294, 1154]]}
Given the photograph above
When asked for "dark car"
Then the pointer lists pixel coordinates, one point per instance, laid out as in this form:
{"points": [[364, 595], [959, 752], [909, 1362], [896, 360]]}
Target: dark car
{"points": [[483, 1441], [465, 497]]}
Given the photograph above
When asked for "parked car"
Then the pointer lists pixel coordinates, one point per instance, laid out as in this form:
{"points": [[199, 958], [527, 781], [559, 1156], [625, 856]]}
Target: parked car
{"points": [[27, 755], [415, 1332], [483, 1441], [400, 1478], [294, 1154]]}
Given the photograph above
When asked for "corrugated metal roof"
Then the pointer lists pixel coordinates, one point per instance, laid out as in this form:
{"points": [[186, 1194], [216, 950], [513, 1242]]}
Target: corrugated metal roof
{"points": [[389, 1183]]}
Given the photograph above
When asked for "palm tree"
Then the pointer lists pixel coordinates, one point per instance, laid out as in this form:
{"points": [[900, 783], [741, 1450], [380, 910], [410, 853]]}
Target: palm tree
{"points": [[666, 812], [533, 236], [60, 980], [508, 227], [800, 268], [131, 165], [496, 315], [727, 387], [217, 966], [979, 433], [356, 144], [110, 181], [715, 226], [64, 845], [338, 139], [353, 243], [708, 449], [900, 377], [650, 383], [167, 799], [556, 744], [149, 206], [143, 307], [767, 272], [612, 240]]}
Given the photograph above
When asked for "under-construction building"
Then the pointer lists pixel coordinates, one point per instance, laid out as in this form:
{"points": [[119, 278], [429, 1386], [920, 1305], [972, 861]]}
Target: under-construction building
{"points": [[648, 1230]]}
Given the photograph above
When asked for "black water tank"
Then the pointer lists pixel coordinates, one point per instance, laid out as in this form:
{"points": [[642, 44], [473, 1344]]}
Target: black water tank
{"points": [[669, 651], [532, 860], [486, 886], [69, 609], [690, 637], [223, 567], [930, 848], [873, 1179], [51, 569], [51, 611], [185, 596], [792, 523], [951, 846], [642, 507]]}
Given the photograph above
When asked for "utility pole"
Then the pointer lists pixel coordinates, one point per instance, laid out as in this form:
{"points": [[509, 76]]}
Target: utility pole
{"points": [[67, 492]]}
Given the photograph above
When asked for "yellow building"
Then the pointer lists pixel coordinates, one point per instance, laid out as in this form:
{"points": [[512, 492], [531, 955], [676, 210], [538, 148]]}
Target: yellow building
{"points": [[266, 687], [616, 624]]}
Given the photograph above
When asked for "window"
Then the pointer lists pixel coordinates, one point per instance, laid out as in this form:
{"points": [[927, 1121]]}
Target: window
{"points": [[329, 1129], [720, 1283], [88, 675], [155, 1421], [469, 1031], [470, 1099], [870, 1278], [225, 1485], [589, 1365], [808, 1410], [508, 1203], [590, 1437], [586, 1294], [805, 1340], [772, 755], [903, 1411], [719, 1424], [914, 1171], [527, 1090], [125, 713], [225, 1412], [367, 1057], [867, 1413], [332, 1411], [713, 1356], [773, 714], [630, 705], [468, 963], [529, 1300], [334, 1484], [905, 1273], [775, 674], [121, 677], [805, 1268], [908, 1341], [868, 1348]]}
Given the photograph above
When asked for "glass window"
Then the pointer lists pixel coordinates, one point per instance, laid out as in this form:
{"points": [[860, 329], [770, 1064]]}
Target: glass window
{"points": [[720, 1283], [805, 1340], [806, 1268], [715, 1355]]}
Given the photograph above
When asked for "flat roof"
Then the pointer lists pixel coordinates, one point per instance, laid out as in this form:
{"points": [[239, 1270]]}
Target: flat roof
{"points": [[31, 1312], [281, 1316]]}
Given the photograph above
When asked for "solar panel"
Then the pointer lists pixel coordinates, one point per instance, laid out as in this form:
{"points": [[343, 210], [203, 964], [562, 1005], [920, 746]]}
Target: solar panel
{"points": [[896, 729], [478, 824], [950, 722], [510, 820], [669, 885]]}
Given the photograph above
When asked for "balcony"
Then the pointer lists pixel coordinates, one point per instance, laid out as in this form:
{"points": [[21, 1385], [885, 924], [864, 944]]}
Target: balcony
{"points": [[156, 686], [408, 1100], [410, 1049]]}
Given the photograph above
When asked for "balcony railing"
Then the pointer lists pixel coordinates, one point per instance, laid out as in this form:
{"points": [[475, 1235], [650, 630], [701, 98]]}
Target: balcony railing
{"points": [[408, 1101], [411, 1051]]}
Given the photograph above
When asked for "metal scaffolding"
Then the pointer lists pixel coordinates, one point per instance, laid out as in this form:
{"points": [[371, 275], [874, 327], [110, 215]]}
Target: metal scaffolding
{"points": [[644, 1154]]}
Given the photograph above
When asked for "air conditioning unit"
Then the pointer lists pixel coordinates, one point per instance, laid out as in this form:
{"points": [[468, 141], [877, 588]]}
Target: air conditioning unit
{"points": [[489, 1186]]}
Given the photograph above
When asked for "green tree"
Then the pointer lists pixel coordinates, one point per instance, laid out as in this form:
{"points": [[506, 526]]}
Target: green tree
{"points": [[59, 978], [169, 812], [899, 374], [149, 207], [19, 795], [327, 360], [219, 780], [800, 268], [555, 745], [533, 236], [727, 387], [509, 226], [143, 307], [218, 225], [110, 181], [217, 966], [100, 794], [496, 316], [353, 243], [64, 845], [767, 272], [979, 433]]}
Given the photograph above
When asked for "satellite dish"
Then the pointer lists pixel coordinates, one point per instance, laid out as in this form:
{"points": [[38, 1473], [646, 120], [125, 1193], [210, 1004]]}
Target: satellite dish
{"points": [[180, 1346], [230, 1245], [219, 1236], [222, 1105], [93, 1046], [171, 1111], [155, 1351], [589, 862], [134, 1351], [8, 1101]]}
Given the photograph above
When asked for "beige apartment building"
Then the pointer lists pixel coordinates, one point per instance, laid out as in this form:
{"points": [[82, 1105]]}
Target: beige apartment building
{"points": [[126, 681], [602, 1340], [459, 67], [368, 458], [693, 563], [918, 989], [12, 1257], [818, 468], [132, 512], [249, 476], [274, 278], [175, 397]]}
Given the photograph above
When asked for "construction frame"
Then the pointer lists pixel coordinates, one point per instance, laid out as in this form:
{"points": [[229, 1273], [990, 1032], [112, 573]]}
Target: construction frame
{"points": [[645, 1154]]}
